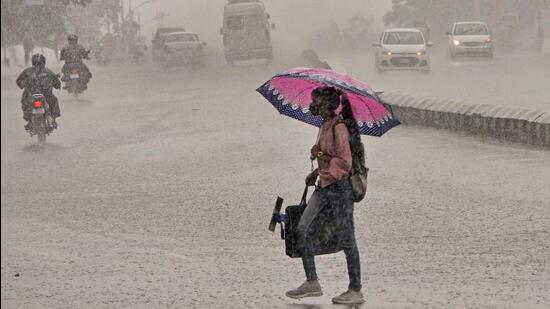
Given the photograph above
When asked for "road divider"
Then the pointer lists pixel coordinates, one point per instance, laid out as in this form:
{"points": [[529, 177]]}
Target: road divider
{"points": [[504, 123]]}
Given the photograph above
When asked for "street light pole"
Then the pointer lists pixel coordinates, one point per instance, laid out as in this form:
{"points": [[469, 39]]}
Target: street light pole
{"points": [[130, 10]]}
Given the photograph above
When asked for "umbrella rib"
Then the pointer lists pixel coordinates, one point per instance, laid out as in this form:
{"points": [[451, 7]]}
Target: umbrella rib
{"points": [[368, 107], [300, 93]]}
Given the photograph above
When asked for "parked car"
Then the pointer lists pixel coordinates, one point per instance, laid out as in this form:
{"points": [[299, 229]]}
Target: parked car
{"points": [[183, 48], [402, 49], [470, 39], [157, 44]]}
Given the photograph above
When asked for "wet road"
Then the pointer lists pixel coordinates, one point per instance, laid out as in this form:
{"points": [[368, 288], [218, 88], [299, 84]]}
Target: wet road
{"points": [[156, 193], [519, 80]]}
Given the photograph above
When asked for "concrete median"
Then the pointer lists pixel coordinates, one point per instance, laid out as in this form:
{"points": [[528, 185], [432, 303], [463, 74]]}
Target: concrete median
{"points": [[504, 123]]}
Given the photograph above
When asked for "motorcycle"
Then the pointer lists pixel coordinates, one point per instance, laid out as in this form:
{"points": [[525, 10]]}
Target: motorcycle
{"points": [[42, 123], [74, 81]]}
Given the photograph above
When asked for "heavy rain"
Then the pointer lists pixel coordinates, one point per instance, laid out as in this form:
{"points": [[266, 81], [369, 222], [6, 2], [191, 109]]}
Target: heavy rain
{"points": [[145, 143]]}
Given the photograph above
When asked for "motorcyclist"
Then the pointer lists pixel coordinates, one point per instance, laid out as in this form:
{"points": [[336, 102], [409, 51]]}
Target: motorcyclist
{"points": [[72, 54], [38, 79]]}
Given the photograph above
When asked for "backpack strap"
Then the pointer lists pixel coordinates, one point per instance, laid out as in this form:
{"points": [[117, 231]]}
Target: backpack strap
{"points": [[361, 166], [339, 121]]}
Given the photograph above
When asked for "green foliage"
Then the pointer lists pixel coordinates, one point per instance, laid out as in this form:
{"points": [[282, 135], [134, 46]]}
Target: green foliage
{"points": [[44, 21], [438, 13], [108, 10]]}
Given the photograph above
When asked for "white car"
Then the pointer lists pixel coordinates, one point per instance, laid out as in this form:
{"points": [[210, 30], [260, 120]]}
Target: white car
{"points": [[470, 39], [183, 47], [402, 49]]}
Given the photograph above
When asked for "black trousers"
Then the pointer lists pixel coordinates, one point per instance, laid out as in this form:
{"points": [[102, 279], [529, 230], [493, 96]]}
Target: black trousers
{"points": [[339, 197]]}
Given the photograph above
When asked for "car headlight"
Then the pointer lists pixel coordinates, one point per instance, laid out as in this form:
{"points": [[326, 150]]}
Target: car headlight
{"points": [[387, 53], [456, 42], [421, 53], [488, 41]]}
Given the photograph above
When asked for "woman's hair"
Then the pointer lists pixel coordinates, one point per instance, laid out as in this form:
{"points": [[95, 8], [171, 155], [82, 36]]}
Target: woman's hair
{"points": [[333, 97]]}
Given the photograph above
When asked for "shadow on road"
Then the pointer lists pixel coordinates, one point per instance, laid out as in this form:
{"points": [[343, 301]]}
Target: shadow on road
{"points": [[42, 148], [34, 148], [78, 101], [315, 306]]}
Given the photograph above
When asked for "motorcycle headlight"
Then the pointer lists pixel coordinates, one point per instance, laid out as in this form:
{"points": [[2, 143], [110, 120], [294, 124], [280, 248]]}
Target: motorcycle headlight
{"points": [[456, 42]]}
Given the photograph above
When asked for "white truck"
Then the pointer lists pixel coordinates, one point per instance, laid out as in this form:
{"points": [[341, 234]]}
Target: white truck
{"points": [[246, 31]]}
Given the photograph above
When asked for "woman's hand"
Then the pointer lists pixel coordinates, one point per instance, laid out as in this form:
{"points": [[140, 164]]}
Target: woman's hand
{"points": [[312, 178], [315, 150], [316, 153]]}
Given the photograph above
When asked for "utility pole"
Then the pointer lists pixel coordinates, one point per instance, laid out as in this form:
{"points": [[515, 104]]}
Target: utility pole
{"points": [[121, 18], [139, 23]]}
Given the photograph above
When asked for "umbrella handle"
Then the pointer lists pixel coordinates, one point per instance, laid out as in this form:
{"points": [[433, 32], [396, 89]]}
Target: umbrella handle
{"points": [[311, 156]]}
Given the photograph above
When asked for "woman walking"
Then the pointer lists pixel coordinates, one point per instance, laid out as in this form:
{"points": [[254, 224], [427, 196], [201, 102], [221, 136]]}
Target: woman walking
{"points": [[338, 148]]}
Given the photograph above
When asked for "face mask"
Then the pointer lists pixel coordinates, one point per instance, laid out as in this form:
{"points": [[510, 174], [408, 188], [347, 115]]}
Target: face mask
{"points": [[315, 109]]}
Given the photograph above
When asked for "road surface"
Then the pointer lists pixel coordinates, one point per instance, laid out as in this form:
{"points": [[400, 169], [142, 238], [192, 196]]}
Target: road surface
{"points": [[156, 191]]}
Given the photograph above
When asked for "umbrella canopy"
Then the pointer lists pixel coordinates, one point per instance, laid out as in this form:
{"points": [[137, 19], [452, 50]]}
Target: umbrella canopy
{"points": [[290, 94]]}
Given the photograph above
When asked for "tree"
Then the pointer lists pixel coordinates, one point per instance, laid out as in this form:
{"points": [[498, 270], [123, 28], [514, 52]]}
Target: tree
{"points": [[108, 11], [9, 24], [440, 14], [44, 21], [359, 32]]}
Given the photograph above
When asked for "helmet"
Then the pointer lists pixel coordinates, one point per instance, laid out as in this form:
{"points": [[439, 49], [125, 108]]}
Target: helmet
{"points": [[38, 60], [72, 38]]}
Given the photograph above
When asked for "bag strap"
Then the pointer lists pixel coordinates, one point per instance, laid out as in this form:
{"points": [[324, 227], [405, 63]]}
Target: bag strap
{"points": [[304, 197]]}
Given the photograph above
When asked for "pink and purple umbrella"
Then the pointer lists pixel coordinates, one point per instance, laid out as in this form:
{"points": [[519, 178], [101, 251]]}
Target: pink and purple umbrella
{"points": [[290, 94]]}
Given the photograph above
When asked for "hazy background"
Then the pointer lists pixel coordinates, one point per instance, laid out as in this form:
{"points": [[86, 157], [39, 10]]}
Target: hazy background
{"points": [[301, 18], [156, 189]]}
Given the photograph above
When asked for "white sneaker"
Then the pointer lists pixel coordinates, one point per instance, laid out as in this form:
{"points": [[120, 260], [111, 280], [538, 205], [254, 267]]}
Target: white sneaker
{"points": [[307, 289]]}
